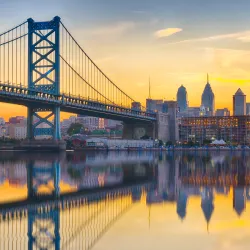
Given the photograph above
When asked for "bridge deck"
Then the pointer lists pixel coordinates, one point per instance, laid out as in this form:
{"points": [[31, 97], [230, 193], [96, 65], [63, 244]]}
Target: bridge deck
{"points": [[23, 96]]}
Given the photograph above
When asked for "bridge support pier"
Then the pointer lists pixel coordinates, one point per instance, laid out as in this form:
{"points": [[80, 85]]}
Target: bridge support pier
{"points": [[137, 130], [155, 130], [42, 126]]}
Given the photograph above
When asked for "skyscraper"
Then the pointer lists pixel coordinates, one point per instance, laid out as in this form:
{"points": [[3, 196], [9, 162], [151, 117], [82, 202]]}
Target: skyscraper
{"points": [[239, 103], [207, 99], [182, 98], [247, 108]]}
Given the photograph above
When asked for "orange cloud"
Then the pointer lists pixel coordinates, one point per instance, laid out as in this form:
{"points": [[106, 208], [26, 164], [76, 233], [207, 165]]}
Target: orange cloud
{"points": [[167, 32]]}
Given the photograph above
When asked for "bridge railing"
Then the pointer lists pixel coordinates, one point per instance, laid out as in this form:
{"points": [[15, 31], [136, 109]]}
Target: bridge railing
{"points": [[24, 92]]}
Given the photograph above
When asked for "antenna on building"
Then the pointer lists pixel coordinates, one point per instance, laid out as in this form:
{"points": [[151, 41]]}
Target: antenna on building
{"points": [[207, 78], [149, 89]]}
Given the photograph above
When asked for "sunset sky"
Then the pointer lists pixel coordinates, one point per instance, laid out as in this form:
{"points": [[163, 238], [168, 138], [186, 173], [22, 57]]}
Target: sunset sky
{"points": [[173, 42]]}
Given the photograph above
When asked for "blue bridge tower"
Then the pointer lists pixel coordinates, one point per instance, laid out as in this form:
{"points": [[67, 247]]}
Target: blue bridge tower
{"points": [[44, 76]]}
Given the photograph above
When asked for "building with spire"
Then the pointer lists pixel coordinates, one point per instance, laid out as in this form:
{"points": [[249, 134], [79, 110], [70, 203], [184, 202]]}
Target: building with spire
{"points": [[207, 99], [239, 103], [182, 99]]}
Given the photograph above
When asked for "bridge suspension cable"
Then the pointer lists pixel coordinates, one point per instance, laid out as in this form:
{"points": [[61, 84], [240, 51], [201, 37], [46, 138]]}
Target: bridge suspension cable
{"points": [[81, 76], [13, 55]]}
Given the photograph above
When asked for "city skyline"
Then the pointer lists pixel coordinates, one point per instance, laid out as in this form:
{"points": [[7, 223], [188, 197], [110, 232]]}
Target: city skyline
{"points": [[174, 43]]}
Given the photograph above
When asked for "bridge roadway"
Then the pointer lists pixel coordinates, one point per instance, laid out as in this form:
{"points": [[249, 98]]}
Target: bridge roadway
{"points": [[23, 96]]}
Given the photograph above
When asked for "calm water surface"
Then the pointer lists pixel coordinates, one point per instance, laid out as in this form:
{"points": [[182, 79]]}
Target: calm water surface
{"points": [[120, 200]]}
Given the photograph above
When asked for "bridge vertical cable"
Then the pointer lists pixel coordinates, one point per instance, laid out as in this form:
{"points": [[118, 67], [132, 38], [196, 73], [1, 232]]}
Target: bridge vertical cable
{"points": [[81, 77], [13, 56]]}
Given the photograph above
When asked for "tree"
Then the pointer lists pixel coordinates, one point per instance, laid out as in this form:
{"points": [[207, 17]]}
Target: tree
{"points": [[169, 143], [75, 128], [145, 137], [207, 141], [191, 143], [161, 143]]}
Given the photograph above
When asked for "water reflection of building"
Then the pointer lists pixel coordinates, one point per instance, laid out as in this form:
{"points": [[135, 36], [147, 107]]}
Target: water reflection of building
{"points": [[14, 172], [182, 204], [239, 200], [183, 175], [222, 190], [207, 204]]}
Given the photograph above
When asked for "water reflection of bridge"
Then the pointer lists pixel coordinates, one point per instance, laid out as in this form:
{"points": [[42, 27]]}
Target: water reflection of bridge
{"points": [[43, 176], [68, 223], [76, 220]]}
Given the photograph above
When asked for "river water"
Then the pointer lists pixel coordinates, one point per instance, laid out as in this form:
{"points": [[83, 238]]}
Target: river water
{"points": [[125, 200]]}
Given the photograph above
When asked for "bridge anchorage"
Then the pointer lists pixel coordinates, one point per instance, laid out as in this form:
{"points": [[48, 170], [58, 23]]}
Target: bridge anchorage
{"points": [[43, 68]]}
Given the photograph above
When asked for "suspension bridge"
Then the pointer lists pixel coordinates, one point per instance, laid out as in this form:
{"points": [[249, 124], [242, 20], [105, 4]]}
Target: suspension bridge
{"points": [[45, 69]]}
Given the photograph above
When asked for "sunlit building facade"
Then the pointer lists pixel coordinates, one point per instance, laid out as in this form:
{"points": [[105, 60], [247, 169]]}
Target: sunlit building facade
{"points": [[247, 108], [207, 99], [182, 99], [231, 129], [239, 103]]}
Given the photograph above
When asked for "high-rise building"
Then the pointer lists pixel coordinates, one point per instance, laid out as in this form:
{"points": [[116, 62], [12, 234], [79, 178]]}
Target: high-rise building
{"points": [[207, 99], [182, 99], [171, 107], [248, 108], [2, 121], [239, 103]]}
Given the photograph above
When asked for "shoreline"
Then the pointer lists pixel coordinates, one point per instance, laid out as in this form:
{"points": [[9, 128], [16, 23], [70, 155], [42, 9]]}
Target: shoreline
{"points": [[44, 149]]}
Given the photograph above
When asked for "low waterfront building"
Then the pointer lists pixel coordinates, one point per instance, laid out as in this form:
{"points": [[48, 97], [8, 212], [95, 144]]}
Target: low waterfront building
{"points": [[92, 142], [231, 129], [18, 130]]}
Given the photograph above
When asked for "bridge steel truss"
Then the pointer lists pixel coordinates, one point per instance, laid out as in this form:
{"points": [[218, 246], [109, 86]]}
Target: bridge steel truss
{"points": [[44, 75]]}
